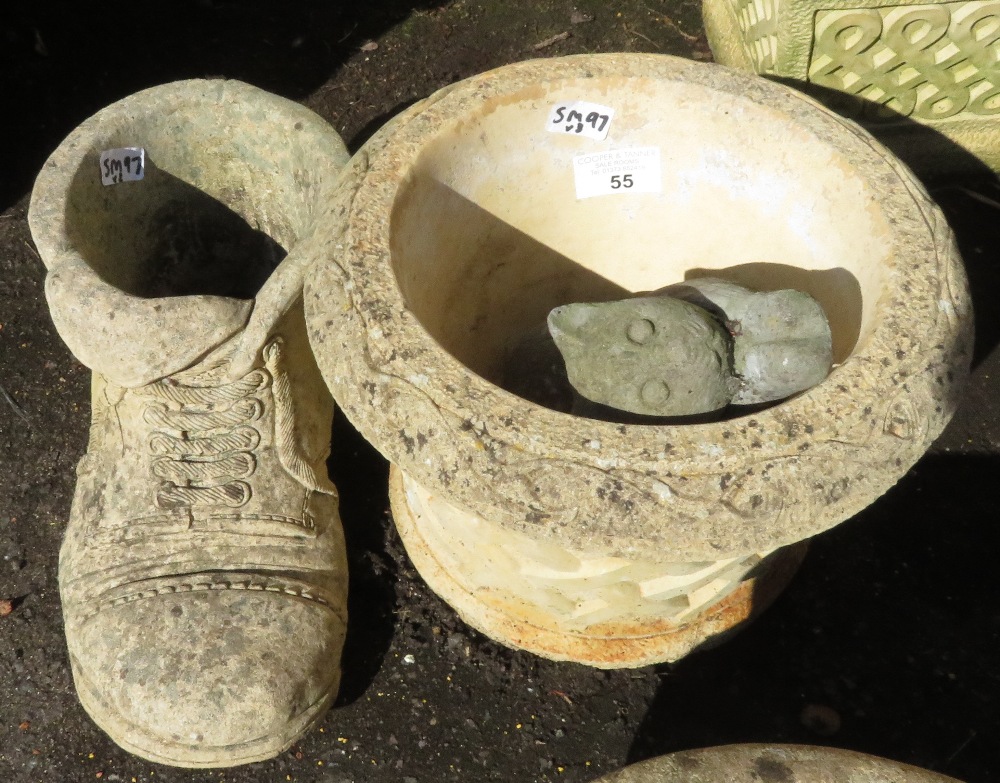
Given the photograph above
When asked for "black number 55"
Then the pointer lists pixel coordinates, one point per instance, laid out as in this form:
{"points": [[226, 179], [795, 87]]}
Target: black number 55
{"points": [[623, 181]]}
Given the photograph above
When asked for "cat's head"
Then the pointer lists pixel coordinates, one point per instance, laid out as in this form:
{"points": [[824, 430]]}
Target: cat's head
{"points": [[651, 355]]}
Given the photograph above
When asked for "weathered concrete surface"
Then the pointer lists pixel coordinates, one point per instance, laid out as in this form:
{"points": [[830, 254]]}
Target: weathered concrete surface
{"points": [[204, 532], [784, 763]]}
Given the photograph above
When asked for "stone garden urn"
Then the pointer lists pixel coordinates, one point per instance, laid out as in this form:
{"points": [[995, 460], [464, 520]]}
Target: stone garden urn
{"points": [[786, 763], [464, 220], [923, 76]]}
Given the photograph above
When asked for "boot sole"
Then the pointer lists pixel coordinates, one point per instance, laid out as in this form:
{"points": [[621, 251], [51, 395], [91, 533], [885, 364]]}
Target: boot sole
{"points": [[178, 754]]}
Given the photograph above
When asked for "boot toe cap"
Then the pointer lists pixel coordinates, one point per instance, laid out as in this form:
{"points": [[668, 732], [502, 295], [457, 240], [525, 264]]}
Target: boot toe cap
{"points": [[209, 678]]}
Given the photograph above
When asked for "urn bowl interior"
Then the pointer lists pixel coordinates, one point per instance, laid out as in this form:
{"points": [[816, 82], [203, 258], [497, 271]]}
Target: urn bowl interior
{"points": [[458, 227], [487, 233]]}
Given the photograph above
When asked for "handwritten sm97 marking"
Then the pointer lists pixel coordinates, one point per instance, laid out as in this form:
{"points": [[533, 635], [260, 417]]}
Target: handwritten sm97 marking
{"points": [[580, 118], [116, 168], [126, 164], [576, 120]]}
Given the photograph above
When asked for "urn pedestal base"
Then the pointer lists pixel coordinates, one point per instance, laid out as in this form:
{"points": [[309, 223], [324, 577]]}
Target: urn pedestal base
{"points": [[608, 612]]}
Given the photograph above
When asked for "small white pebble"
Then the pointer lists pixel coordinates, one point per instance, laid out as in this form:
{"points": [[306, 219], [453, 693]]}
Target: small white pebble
{"points": [[408, 659]]}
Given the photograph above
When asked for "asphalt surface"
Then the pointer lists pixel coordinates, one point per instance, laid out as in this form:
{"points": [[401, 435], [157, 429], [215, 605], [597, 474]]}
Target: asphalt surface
{"points": [[886, 642]]}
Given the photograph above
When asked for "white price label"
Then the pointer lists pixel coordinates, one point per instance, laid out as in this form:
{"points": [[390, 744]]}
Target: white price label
{"points": [[580, 118], [635, 170], [127, 164]]}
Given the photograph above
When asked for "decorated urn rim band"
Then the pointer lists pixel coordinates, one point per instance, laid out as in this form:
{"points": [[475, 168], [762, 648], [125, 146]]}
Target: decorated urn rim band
{"points": [[706, 491]]}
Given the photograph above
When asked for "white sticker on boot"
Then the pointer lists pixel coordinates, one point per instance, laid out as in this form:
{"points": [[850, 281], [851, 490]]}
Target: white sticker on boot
{"points": [[127, 164], [635, 170], [580, 118]]}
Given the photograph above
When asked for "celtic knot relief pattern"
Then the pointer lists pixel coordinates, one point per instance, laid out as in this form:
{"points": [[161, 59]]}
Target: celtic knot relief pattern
{"points": [[930, 62], [758, 21]]}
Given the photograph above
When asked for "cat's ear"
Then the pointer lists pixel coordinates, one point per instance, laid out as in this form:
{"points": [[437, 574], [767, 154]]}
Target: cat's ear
{"points": [[572, 318]]}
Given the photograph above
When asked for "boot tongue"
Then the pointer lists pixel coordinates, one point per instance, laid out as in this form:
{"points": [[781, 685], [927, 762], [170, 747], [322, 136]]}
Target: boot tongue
{"points": [[274, 299], [131, 340]]}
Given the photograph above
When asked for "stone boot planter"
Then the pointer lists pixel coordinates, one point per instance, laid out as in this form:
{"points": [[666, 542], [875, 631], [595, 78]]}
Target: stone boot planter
{"points": [[785, 763], [922, 76], [203, 573], [622, 544]]}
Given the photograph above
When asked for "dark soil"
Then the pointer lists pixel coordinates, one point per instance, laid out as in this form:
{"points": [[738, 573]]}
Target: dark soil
{"points": [[886, 642]]}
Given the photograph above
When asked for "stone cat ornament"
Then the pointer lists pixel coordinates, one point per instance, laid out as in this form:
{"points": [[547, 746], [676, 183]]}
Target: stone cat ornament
{"points": [[693, 348], [652, 355]]}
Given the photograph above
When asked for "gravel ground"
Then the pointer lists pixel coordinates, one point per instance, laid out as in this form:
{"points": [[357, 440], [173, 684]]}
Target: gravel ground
{"points": [[884, 643]]}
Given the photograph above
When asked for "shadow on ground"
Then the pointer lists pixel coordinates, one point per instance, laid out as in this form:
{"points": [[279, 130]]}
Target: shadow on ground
{"points": [[905, 587], [62, 61]]}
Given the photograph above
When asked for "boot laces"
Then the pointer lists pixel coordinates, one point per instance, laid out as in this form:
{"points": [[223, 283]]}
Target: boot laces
{"points": [[203, 440]]}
